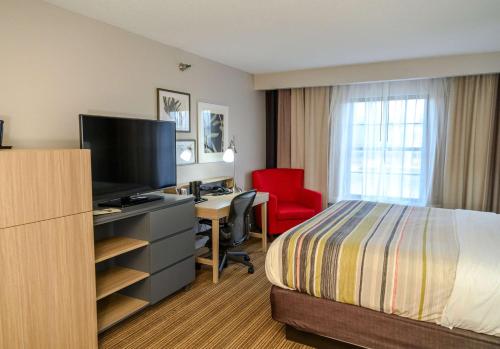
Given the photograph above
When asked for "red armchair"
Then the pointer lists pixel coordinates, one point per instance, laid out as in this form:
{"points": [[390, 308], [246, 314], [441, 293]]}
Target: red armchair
{"points": [[289, 202]]}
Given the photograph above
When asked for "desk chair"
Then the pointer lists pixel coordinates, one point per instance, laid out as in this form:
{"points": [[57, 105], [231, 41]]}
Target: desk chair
{"points": [[236, 231]]}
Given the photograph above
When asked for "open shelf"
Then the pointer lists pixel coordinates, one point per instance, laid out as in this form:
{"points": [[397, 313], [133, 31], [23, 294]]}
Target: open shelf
{"points": [[115, 308], [115, 246], [115, 278]]}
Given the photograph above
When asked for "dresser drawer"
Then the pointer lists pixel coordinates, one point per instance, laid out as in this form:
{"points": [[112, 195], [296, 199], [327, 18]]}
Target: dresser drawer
{"points": [[163, 223], [171, 279], [171, 250]]}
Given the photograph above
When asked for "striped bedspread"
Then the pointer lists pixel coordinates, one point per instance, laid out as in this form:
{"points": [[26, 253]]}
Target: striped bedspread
{"points": [[390, 258]]}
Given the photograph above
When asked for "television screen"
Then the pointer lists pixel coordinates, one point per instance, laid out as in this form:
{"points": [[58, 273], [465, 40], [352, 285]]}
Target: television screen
{"points": [[129, 156]]}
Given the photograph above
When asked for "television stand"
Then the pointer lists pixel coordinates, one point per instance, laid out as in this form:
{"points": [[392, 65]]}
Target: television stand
{"points": [[130, 201]]}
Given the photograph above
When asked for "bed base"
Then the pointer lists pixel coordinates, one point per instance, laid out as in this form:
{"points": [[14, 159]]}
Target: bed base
{"points": [[315, 341], [347, 326]]}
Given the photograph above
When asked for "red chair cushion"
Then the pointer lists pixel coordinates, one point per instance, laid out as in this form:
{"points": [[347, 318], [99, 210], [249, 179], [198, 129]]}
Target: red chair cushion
{"points": [[292, 210]]}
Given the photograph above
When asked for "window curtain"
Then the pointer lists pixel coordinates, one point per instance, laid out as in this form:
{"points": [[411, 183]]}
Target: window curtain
{"points": [[284, 129], [271, 128], [471, 169], [298, 117], [311, 136], [495, 193], [384, 140], [303, 134]]}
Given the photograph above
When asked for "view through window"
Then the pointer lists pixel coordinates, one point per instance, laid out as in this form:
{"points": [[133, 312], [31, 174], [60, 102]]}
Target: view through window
{"points": [[387, 149]]}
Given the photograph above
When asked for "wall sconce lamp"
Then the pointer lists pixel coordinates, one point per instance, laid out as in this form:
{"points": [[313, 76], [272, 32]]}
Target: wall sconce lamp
{"points": [[184, 66]]}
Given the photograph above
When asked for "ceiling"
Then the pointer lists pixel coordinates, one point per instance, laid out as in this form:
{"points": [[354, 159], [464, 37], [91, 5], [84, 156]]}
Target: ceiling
{"points": [[260, 36]]}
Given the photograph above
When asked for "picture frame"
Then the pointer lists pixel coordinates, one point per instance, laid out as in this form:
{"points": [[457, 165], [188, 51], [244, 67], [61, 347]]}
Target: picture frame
{"points": [[174, 106], [213, 132], [182, 145]]}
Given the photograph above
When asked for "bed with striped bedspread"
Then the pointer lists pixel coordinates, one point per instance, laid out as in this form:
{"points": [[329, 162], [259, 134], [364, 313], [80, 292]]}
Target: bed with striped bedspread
{"points": [[390, 258]]}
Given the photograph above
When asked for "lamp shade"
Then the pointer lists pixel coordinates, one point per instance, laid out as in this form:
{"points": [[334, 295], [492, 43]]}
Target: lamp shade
{"points": [[228, 155]]}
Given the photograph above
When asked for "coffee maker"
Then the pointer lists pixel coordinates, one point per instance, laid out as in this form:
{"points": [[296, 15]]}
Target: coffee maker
{"points": [[194, 188], [1, 132]]}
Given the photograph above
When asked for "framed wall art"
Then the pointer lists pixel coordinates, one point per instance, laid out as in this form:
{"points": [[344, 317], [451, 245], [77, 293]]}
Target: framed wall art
{"points": [[174, 106], [185, 151], [212, 131]]}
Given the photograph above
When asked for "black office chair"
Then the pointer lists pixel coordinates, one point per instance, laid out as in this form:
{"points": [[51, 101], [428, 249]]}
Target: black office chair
{"points": [[236, 231]]}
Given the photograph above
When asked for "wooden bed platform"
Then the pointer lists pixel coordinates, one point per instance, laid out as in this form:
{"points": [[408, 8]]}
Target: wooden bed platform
{"points": [[324, 323]]}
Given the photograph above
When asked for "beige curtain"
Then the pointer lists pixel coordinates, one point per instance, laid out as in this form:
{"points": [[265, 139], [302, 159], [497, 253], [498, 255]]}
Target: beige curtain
{"points": [[297, 125], [310, 139], [471, 167], [284, 129], [494, 200]]}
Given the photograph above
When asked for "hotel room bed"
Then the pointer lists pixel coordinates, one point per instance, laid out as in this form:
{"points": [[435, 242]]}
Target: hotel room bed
{"points": [[383, 276]]}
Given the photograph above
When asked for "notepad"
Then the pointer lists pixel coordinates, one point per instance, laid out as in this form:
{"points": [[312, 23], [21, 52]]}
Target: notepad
{"points": [[106, 211]]}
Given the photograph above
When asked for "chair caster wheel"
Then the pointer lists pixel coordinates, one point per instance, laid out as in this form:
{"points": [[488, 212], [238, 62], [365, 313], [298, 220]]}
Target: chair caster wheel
{"points": [[251, 270], [246, 258]]}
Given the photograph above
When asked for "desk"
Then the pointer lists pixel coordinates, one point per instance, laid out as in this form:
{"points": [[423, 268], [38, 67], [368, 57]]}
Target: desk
{"points": [[217, 207]]}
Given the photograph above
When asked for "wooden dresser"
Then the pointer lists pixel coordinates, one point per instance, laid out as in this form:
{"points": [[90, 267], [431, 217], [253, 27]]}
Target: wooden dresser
{"points": [[47, 269]]}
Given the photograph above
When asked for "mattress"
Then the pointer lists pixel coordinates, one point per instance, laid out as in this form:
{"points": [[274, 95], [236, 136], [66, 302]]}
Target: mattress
{"points": [[415, 262]]}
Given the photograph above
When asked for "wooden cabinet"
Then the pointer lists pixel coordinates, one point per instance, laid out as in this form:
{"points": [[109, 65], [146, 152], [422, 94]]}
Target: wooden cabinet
{"points": [[37, 185], [47, 287]]}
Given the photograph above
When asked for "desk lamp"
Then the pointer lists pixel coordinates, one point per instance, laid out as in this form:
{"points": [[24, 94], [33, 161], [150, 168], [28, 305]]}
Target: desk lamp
{"points": [[229, 156]]}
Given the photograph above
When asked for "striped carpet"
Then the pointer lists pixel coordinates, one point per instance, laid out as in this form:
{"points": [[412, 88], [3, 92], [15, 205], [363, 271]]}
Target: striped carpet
{"points": [[235, 313]]}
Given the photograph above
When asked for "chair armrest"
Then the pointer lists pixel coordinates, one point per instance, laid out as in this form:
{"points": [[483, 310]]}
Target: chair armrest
{"points": [[272, 205], [311, 199]]}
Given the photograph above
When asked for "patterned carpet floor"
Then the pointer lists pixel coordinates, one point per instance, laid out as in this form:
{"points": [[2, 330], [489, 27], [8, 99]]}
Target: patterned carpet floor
{"points": [[235, 313]]}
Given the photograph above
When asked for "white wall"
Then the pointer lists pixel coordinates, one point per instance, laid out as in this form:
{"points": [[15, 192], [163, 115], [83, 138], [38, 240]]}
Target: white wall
{"points": [[434, 67], [55, 64]]}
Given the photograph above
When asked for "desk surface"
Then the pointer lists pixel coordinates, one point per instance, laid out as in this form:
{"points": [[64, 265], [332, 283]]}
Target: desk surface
{"points": [[217, 207]]}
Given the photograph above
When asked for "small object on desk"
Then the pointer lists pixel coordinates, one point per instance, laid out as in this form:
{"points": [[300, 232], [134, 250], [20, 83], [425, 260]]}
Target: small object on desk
{"points": [[1, 131], [215, 190], [105, 211], [184, 191], [194, 188], [1, 137]]}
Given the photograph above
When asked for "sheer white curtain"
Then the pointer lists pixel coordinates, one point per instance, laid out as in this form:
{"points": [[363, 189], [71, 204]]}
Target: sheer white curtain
{"points": [[384, 140]]}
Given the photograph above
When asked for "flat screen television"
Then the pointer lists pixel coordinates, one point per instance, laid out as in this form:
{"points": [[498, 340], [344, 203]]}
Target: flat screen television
{"points": [[130, 157]]}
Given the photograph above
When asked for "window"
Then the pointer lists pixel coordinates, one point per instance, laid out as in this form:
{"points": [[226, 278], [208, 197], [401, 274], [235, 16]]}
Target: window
{"points": [[386, 149], [385, 140]]}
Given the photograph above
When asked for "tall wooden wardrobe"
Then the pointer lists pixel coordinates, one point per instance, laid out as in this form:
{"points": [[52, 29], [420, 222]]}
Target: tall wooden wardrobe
{"points": [[47, 274]]}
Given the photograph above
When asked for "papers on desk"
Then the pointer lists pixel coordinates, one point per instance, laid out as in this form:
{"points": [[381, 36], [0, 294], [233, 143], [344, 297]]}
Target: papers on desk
{"points": [[106, 211]]}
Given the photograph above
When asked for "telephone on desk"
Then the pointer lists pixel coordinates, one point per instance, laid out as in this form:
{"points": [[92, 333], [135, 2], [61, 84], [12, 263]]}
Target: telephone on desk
{"points": [[214, 190]]}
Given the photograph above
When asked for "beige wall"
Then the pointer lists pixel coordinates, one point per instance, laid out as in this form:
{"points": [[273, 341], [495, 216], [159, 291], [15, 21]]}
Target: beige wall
{"points": [[435, 67], [55, 65]]}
